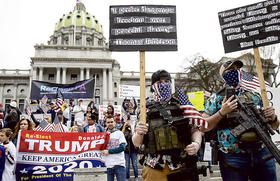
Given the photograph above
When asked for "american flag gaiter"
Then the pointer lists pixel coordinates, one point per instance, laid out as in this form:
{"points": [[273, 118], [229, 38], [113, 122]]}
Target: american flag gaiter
{"points": [[162, 91]]}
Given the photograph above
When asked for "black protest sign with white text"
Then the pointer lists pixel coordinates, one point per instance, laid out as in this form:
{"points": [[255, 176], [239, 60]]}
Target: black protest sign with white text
{"points": [[250, 26], [143, 28]]}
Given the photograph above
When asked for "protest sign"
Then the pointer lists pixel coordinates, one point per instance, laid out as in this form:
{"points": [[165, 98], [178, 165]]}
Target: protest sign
{"points": [[2, 160], [81, 89], [129, 91], [250, 26], [274, 101], [207, 156], [143, 28], [103, 109], [54, 156], [197, 99], [40, 117]]}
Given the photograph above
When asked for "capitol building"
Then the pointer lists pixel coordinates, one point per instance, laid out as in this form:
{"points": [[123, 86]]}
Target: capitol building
{"points": [[76, 51]]}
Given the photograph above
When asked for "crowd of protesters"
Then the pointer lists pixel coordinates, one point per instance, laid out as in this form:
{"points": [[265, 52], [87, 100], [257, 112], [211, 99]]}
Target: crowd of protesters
{"points": [[76, 118]]}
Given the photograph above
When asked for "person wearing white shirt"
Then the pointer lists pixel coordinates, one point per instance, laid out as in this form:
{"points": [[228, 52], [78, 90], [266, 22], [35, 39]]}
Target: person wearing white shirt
{"points": [[114, 154], [10, 151], [79, 111]]}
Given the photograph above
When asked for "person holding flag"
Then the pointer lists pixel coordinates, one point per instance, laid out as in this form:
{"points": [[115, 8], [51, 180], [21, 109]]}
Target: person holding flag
{"points": [[171, 138], [240, 158]]}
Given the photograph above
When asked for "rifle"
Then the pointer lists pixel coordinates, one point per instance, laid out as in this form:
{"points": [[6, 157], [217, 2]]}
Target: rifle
{"points": [[250, 118]]}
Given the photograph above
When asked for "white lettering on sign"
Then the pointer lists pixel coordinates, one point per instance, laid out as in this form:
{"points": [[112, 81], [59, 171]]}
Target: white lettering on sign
{"points": [[234, 37], [266, 40], [74, 146]]}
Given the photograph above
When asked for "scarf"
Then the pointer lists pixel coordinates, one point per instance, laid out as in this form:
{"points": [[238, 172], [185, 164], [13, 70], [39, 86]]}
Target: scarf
{"points": [[232, 78], [162, 91]]}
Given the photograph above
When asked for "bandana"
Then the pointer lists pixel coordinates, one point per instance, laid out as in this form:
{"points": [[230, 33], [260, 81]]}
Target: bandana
{"points": [[232, 78], [162, 91]]}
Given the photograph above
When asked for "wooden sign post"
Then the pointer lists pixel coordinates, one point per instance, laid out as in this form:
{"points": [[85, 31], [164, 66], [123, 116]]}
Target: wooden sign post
{"points": [[143, 28], [142, 88], [261, 78]]}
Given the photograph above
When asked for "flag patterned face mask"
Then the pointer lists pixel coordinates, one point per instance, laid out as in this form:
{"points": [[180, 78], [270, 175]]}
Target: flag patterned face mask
{"points": [[162, 91], [232, 78]]}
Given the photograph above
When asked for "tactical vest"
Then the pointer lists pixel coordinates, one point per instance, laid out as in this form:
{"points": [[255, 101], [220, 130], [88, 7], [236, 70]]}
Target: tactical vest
{"points": [[168, 133], [231, 121]]}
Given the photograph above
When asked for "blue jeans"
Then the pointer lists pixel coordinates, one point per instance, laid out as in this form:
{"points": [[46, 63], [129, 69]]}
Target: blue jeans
{"points": [[133, 158], [248, 165], [117, 170]]}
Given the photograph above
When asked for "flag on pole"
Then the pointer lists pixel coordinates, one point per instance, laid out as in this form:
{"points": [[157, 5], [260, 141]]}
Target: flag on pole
{"points": [[190, 111], [44, 99], [57, 125], [59, 102], [44, 105], [250, 82], [27, 108], [44, 126]]}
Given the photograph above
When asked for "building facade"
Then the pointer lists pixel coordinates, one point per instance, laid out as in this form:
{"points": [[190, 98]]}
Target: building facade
{"points": [[77, 50]]}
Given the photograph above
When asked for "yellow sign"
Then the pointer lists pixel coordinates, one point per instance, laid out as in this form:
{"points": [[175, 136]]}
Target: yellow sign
{"points": [[197, 99]]}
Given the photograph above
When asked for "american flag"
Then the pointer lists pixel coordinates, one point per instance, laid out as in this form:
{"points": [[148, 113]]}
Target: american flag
{"points": [[59, 102], [44, 105], [190, 111], [250, 82], [44, 99], [27, 108], [160, 91], [57, 125], [44, 126]]}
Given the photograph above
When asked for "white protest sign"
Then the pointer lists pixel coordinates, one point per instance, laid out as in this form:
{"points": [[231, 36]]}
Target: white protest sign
{"points": [[40, 117], [274, 100], [129, 91], [207, 152], [103, 110], [131, 121]]}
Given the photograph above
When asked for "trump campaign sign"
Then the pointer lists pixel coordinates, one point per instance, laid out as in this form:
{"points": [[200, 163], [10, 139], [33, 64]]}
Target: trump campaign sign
{"points": [[54, 156]]}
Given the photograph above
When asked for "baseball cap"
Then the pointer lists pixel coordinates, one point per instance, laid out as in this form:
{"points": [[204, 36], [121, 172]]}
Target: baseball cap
{"points": [[228, 64], [160, 75]]}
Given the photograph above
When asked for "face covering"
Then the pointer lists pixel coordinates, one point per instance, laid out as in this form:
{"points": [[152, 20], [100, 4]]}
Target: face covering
{"points": [[162, 91], [232, 78]]}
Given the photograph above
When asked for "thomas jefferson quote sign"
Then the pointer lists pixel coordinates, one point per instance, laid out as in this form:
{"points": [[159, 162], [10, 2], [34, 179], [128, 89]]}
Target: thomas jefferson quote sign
{"points": [[143, 28]]}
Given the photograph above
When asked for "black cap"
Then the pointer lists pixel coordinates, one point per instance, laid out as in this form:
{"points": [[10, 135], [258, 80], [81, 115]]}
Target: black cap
{"points": [[160, 75]]}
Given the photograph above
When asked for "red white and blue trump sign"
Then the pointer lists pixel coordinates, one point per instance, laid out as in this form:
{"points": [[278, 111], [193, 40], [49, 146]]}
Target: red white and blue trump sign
{"points": [[54, 156]]}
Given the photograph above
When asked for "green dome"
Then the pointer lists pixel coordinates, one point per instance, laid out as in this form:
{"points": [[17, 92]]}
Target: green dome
{"points": [[79, 17]]}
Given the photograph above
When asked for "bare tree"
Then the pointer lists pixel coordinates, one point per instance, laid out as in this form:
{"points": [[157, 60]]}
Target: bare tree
{"points": [[201, 75]]}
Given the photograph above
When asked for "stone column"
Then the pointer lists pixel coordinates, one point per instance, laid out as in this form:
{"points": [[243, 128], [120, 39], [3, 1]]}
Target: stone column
{"points": [[41, 73], [110, 82], [64, 75], [15, 91], [83, 40], [34, 73], [81, 73], [58, 75], [87, 73], [1, 95], [104, 84]]}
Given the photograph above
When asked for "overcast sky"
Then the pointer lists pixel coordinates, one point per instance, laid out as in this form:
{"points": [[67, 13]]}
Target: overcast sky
{"points": [[26, 23]]}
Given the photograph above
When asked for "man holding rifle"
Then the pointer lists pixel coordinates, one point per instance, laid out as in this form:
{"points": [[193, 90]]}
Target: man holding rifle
{"points": [[241, 155]]}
